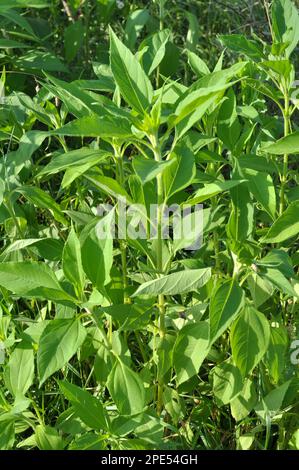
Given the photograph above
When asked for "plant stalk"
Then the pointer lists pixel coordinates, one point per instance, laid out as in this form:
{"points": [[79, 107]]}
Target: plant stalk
{"points": [[284, 175], [159, 262]]}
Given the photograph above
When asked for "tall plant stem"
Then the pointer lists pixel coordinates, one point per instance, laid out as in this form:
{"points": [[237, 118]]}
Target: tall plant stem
{"points": [[159, 261], [284, 175], [122, 244]]}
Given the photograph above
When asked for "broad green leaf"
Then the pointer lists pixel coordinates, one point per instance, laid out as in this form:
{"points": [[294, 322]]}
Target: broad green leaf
{"points": [[74, 158], [275, 358], [108, 185], [130, 316], [48, 248], [249, 338], [260, 289], [59, 341], [243, 404], [73, 39], [126, 389], [106, 126], [87, 441], [226, 303], [97, 256], [276, 277], [227, 382], [190, 350], [131, 79], [262, 188], [7, 435], [19, 20], [279, 67], [19, 372], [285, 145], [197, 64], [199, 100], [148, 169], [240, 44], [285, 23], [11, 44], [28, 144], [286, 226], [32, 279], [86, 406], [40, 60], [71, 261], [212, 189], [43, 200], [153, 50], [277, 259], [271, 404], [175, 283], [228, 125], [134, 25], [182, 171], [47, 438], [240, 225]]}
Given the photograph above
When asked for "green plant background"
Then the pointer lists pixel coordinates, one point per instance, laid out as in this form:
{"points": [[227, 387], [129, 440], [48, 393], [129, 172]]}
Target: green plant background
{"points": [[142, 344]]}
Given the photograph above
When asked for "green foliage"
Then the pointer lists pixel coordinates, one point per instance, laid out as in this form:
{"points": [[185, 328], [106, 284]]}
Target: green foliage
{"points": [[120, 342]]}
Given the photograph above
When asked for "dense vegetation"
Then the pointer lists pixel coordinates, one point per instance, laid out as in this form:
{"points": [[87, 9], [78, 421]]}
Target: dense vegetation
{"points": [[129, 343]]}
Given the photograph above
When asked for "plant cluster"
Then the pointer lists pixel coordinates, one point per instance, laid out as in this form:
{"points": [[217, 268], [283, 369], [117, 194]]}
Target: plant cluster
{"points": [[133, 343]]}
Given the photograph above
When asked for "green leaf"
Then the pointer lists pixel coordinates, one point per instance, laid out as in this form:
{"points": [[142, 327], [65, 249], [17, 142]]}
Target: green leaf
{"points": [[71, 261], [153, 50], [47, 438], [175, 283], [86, 406], [182, 171], [19, 372], [261, 186], [242, 45], [7, 435], [43, 200], [227, 382], [285, 23], [73, 39], [106, 126], [226, 303], [87, 441], [59, 341], [271, 404], [243, 404], [31, 279], [212, 189], [134, 25], [148, 169], [131, 79], [197, 64], [191, 348], [74, 158], [228, 125], [11, 44], [126, 389], [97, 256], [276, 277], [39, 60], [286, 226], [275, 359], [240, 225], [249, 338], [285, 145]]}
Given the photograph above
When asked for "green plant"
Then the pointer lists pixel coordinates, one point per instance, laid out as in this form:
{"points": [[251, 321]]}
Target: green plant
{"points": [[140, 343]]}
